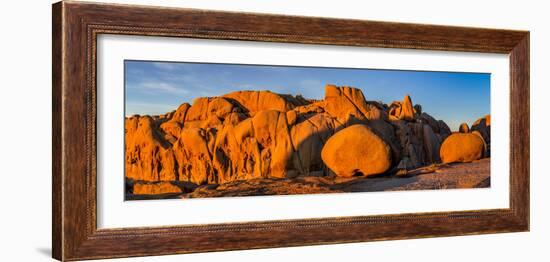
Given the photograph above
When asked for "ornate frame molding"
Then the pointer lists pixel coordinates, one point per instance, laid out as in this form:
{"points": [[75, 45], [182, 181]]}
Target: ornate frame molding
{"points": [[76, 26]]}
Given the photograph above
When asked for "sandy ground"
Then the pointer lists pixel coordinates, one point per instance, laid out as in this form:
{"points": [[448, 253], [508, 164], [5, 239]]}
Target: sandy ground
{"points": [[444, 176]]}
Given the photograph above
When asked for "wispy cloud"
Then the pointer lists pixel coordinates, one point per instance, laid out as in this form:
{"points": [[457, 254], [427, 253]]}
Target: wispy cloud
{"points": [[165, 65], [163, 87], [310, 83]]}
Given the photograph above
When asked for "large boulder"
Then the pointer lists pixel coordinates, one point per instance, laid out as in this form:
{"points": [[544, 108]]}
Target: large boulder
{"points": [[356, 150], [462, 147]]}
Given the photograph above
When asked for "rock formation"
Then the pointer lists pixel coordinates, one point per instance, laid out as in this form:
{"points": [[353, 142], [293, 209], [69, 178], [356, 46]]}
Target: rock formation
{"points": [[468, 144], [464, 128], [259, 134], [403, 110], [483, 126], [356, 150], [462, 147], [148, 156], [343, 103]]}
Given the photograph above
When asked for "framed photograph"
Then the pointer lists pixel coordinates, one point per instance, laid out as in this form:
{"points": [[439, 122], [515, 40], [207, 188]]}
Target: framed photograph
{"points": [[183, 130]]}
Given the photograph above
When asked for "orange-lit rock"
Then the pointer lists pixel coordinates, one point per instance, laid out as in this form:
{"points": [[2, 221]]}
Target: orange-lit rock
{"points": [[259, 134], [345, 102], [236, 153], [271, 131], [464, 128], [172, 130], [199, 110], [179, 115], [253, 101], [220, 107], [193, 157], [155, 188], [402, 110], [148, 156], [356, 149], [407, 110], [462, 147]]}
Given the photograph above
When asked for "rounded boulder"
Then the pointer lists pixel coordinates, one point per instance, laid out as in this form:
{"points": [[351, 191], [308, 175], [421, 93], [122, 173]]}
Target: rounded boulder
{"points": [[356, 150], [462, 147]]}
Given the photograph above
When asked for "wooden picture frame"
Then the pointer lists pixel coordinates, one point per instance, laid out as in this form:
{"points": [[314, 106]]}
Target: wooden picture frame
{"points": [[76, 26]]}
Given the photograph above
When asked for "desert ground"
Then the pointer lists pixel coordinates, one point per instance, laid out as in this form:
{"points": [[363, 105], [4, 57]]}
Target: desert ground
{"points": [[250, 143], [440, 176]]}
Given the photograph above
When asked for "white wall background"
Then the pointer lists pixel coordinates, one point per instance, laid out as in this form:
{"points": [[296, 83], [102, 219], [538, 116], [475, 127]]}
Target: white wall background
{"points": [[25, 132]]}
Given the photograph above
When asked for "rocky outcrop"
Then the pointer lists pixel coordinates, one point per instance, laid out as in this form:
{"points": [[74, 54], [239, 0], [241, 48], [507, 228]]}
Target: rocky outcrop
{"points": [[462, 147], [193, 157], [248, 135], [345, 102], [148, 156], [403, 110], [254, 101], [356, 150]]}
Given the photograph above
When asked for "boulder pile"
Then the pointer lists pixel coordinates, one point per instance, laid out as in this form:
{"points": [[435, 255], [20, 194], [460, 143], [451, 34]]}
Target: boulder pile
{"points": [[259, 134]]}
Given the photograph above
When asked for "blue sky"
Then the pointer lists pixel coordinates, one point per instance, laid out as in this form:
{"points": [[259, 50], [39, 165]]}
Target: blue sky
{"points": [[159, 87]]}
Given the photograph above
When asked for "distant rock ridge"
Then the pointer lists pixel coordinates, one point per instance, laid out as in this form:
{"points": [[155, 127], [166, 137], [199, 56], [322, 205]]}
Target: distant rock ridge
{"points": [[260, 134]]}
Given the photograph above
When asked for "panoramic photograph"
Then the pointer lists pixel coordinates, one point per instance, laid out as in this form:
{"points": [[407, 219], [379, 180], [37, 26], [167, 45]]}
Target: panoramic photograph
{"points": [[202, 130]]}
